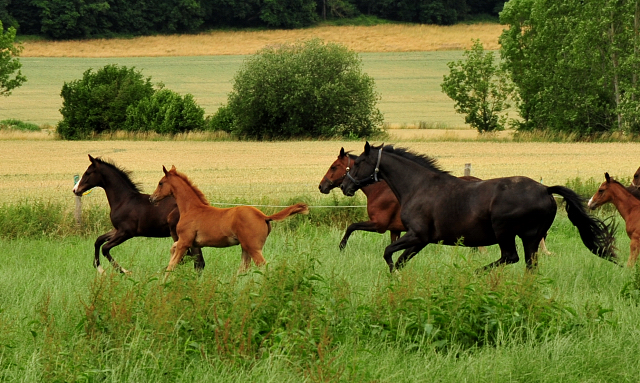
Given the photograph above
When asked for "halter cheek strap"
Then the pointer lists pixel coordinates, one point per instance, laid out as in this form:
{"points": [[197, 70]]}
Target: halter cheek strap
{"points": [[367, 180]]}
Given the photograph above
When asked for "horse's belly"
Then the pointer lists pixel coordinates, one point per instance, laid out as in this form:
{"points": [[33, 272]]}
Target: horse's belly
{"points": [[215, 240]]}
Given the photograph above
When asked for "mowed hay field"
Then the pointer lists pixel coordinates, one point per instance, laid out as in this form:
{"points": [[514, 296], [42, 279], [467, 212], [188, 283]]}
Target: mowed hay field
{"points": [[251, 171]]}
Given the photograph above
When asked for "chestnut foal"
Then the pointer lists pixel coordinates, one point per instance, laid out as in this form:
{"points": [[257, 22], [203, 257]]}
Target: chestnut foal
{"points": [[628, 206], [203, 225]]}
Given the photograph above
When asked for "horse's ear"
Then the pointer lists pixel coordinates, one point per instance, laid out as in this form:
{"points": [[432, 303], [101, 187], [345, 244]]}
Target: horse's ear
{"points": [[367, 147], [606, 176], [91, 159], [341, 152], [173, 168], [164, 170]]}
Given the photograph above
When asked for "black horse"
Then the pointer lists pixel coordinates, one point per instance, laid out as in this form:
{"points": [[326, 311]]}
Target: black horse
{"points": [[437, 207], [132, 215]]}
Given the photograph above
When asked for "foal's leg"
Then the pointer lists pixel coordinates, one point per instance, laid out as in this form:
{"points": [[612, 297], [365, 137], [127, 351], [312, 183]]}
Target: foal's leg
{"points": [[248, 254], [178, 250], [364, 226], [99, 241], [543, 246], [115, 240], [634, 248], [407, 241]]}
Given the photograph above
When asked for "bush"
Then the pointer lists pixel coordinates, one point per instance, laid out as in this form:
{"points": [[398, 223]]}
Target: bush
{"points": [[309, 89], [99, 101], [222, 120], [19, 125], [165, 112]]}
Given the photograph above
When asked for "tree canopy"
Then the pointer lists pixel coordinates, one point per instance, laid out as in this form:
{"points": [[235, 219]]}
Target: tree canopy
{"points": [[10, 75]]}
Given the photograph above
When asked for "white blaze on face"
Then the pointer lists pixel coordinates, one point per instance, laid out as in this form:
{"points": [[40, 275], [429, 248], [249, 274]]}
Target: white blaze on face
{"points": [[590, 203], [75, 187]]}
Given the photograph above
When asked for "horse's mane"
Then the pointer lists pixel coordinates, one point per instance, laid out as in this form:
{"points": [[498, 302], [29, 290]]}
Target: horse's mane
{"points": [[125, 174], [198, 192], [420, 159]]}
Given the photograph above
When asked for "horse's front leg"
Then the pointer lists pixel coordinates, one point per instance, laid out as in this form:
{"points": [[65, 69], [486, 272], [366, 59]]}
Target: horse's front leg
{"points": [[407, 241], [178, 250], [408, 254]]}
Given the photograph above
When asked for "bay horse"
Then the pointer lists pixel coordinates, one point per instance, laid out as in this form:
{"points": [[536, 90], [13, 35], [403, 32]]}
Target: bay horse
{"points": [[437, 207], [383, 207], [628, 206], [202, 225], [132, 215]]}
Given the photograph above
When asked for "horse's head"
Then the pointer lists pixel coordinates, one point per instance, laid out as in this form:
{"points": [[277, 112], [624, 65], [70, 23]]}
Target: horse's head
{"points": [[164, 188], [603, 195], [336, 173], [636, 179], [91, 178], [364, 170]]}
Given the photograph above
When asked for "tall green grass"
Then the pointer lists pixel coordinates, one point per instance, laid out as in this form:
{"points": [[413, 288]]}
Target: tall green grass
{"points": [[314, 314]]}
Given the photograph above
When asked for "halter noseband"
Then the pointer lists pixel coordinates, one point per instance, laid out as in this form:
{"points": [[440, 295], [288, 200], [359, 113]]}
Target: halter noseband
{"points": [[367, 180], [331, 183]]}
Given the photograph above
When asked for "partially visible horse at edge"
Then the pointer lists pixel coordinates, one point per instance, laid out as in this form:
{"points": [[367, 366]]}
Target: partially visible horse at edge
{"points": [[437, 207], [202, 225], [383, 207], [132, 215], [628, 206]]}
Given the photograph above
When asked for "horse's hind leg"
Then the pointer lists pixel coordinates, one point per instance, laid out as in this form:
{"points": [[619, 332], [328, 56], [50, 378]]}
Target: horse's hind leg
{"points": [[198, 259], [99, 241], [407, 241], [531, 252], [118, 238], [508, 252], [249, 254], [407, 255]]}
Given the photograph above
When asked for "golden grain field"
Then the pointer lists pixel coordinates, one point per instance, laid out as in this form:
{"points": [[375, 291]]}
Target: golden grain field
{"points": [[255, 171], [379, 38]]}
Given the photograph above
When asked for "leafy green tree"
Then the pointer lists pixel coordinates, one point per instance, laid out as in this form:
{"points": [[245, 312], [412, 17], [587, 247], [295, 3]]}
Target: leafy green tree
{"points": [[480, 90], [574, 63], [309, 89], [9, 64], [98, 102], [165, 112]]}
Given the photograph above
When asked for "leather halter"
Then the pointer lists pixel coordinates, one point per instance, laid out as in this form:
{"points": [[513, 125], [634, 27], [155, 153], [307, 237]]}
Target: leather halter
{"points": [[370, 179], [331, 183]]}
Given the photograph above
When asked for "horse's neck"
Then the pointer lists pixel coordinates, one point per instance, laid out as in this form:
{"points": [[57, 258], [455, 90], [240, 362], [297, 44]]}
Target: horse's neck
{"points": [[116, 188], [624, 201], [185, 196], [403, 175]]}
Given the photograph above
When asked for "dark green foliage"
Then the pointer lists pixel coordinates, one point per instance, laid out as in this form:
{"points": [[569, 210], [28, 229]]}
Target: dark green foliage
{"points": [[574, 63], [165, 112], [288, 13], [222, 120], [19, 125], [10, 75], [98, 102], [309, 89], [61, 19], [479, 88]]}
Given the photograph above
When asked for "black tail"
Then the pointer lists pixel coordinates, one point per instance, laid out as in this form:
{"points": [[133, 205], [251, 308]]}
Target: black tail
{"points": [[596, 235]]}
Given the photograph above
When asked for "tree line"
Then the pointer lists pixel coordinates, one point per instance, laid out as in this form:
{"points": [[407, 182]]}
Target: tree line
{"points": [[72, 19]]}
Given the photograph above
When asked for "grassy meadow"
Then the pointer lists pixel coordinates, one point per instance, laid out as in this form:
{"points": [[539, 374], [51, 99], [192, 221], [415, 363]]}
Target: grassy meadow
{"points": [[409, 83], [313, 313]]}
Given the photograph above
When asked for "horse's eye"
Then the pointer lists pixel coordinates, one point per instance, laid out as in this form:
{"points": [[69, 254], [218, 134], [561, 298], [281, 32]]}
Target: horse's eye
{"points": [[333, 168], [601, 191], [159, 183]]}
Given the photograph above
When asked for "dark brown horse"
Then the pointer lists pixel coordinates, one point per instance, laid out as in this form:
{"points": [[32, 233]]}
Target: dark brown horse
{"points": [[132, 215], [203, 225], [628, 206], [437, 207], [383, 207]]}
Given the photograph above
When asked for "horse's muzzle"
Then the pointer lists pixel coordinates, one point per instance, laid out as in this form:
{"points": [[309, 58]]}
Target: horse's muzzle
{"points": [[348, 190]]}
